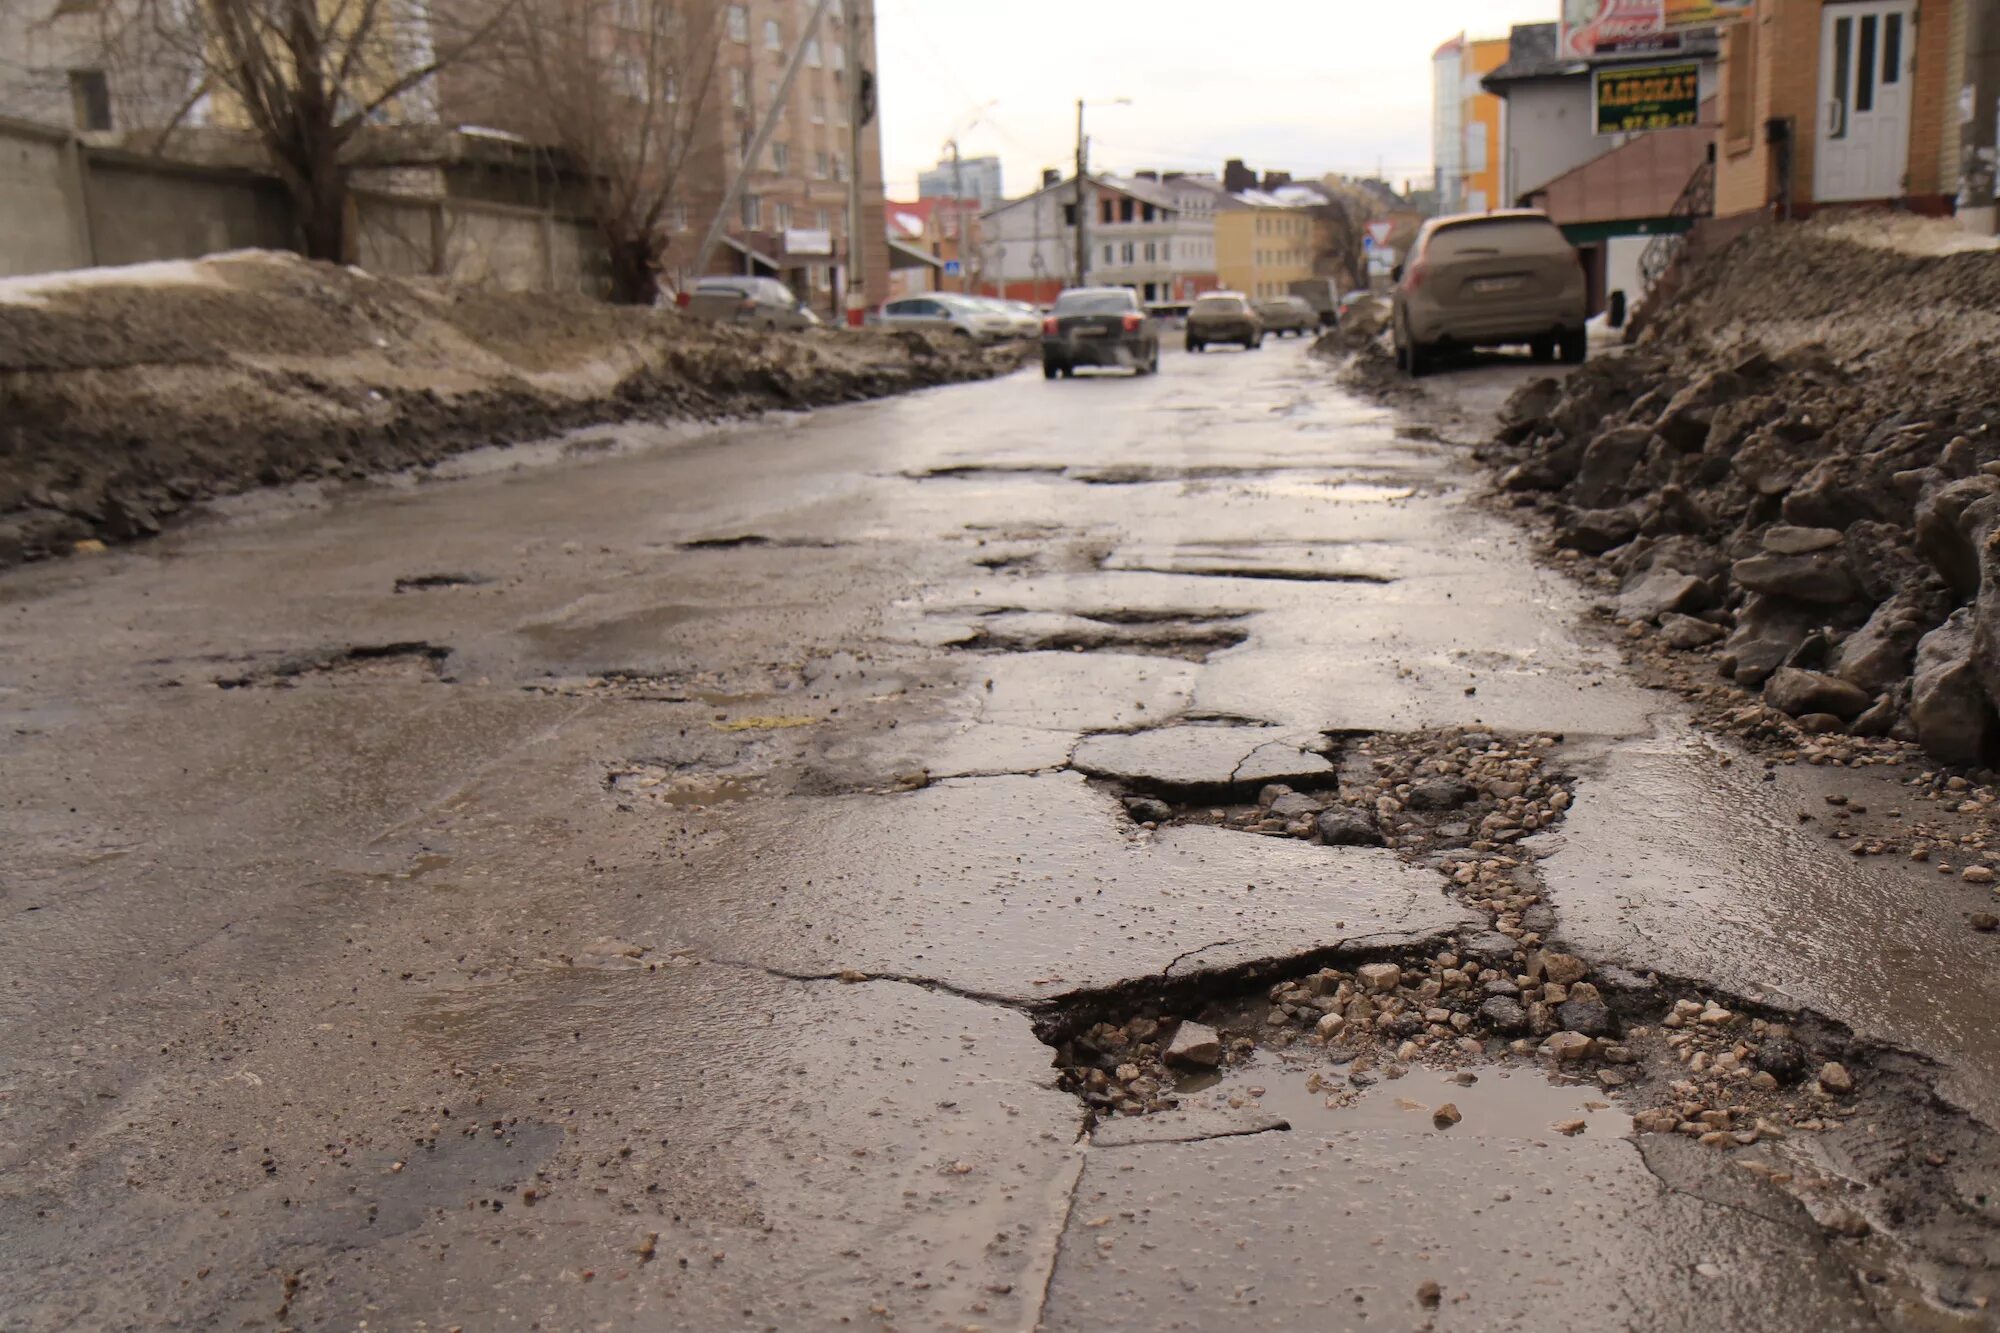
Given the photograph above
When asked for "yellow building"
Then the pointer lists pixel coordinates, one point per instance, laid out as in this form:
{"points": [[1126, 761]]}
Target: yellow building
{"points": [[1482, 126], [1263, 245]]}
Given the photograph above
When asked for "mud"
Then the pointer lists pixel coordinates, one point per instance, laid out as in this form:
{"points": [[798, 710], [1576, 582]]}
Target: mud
{"points": [[123, 405]]}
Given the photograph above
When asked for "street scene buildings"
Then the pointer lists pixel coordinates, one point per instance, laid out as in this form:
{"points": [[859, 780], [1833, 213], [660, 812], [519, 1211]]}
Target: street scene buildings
{"points": [[585, 744]]}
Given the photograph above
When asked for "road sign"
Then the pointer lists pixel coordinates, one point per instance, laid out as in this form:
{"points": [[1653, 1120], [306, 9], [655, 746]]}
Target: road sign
{"points": [[1368, 241], [1378, 232], [952, 268]]}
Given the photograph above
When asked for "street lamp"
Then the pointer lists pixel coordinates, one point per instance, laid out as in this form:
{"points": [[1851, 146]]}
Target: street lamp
{"points": [[1082, 169], [958, 193]]}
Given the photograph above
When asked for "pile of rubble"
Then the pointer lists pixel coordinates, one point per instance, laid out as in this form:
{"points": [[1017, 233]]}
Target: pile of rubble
{"points": [[1793, 475], [127, 395]]}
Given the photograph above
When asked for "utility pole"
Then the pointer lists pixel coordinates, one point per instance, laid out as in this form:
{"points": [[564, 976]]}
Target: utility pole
{"points": [[1979, 156], [858, 110], [755, 153], [1082, 165], [958, 218]]}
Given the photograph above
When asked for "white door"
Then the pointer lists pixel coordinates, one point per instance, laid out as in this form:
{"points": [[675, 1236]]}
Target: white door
{"points": [[1863, 144]]}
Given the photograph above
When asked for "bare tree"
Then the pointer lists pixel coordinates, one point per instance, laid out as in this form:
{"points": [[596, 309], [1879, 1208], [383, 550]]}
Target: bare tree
{"points": [[1343, 225], [621, 87], [305, 76]]}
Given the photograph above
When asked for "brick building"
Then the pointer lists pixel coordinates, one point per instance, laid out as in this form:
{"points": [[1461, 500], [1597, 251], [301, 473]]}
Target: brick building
{"points": [[1840, 102]]}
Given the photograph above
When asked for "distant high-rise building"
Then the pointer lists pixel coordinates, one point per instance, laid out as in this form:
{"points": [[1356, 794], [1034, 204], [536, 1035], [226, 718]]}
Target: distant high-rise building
{"points": [[977, 178], [1465, 125]]}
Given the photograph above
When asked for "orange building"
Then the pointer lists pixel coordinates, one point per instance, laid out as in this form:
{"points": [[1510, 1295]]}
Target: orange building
{"points": [[1465, 125]]}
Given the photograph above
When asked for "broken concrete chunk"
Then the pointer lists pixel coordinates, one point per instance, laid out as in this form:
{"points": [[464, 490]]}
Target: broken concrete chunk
{"points": [[1348, 828], [1953, 717], [1294, 804], [1821, 577], [1784, 539], [1833, 1076], [1658, 591], [1441, 794], [1798, 693], [1380, 976], [1561, 968], [1196, 1045]]}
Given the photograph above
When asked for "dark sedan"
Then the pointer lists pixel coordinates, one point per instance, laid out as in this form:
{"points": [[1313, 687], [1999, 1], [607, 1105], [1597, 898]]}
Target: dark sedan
{"points": [[1099, 326]]}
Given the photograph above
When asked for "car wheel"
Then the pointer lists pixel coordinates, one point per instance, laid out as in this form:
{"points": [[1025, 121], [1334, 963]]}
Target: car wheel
{"points": [[1194, 344], [1417, 360], [1575, 347], [1050, 370], [1542, 349]]}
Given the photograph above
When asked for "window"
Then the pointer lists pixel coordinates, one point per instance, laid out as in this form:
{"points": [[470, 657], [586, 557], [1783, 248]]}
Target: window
{"points": [[781, 157], [1125, 252], [1107, 211], [739, 24], [821, 165], [1146, 213], [1152, 253], [90, 99], [752, 214], [1739, 86], [822, 219], [739, 89], [1110, 257], [783, 220], [819, 111], [677, 217], [1069, 215], [631, 75], [774, 40], [1125, 210], [840, 166], [812, 52], [1166, 252]]}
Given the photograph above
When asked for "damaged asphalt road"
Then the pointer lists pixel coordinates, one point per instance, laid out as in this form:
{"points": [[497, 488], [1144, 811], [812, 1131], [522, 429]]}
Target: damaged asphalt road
{"points": [[724, 885]]}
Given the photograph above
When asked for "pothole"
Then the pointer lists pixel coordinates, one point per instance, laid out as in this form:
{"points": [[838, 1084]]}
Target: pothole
{"points": [[718, 689], [359, 664], [1193, 637], [1853, 1130], [646, 784], [426, 582], [744, 540]]}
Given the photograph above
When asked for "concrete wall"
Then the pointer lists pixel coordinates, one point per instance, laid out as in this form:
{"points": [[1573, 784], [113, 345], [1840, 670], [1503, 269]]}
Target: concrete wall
{"points": [[64, 206], [41, 205], [140, 210]]}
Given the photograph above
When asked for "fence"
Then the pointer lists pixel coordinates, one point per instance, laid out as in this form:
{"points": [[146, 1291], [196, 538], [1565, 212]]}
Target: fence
{"points": [[67, 205]]}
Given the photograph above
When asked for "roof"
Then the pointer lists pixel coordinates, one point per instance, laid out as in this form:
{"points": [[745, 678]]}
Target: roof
{"points": [[1532, 53], [1642, 179], [908, 256], [1145, 191]]}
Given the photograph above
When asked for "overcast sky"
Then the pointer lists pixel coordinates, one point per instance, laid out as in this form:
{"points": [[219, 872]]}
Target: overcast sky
{"points": [[1297, 85]]}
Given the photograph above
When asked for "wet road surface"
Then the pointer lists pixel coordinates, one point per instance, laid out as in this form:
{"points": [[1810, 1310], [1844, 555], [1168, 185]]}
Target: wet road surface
{"points": [[615, 891]]}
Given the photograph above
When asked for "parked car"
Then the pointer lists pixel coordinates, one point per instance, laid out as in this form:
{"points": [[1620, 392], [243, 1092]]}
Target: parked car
{"points": [[1284, 315], [762, 303], [1349, 300], [1099, 326], [967, 317], [1488, 280], [1024, 321], [1321, 295], [1223, 317]]}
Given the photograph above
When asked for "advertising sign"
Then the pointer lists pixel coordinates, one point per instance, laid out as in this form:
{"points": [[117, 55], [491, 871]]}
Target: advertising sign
{"points": [[1600, 27], [803, 241], [1632, 98]]}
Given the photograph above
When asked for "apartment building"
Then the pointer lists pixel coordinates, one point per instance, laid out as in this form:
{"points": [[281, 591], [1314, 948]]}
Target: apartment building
{"points": [[1155, 235], [1465, 124], [1267, 240], [969, 178]]}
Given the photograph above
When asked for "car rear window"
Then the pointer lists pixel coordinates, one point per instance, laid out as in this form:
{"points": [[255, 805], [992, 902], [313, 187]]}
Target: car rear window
{"points": [[1505, 236], [1095, 303], [1219, 305]]}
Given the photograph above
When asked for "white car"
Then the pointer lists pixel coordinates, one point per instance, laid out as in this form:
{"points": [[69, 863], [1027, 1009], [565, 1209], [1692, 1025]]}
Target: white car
{"points": [[967, 317]]}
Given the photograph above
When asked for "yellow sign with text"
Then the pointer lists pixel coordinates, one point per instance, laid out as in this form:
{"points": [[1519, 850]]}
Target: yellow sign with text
{"points": [[1634, 98]]}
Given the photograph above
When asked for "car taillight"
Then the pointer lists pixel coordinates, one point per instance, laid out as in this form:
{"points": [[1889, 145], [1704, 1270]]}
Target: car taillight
{"points": [[1415, 277], [1131, 323], [1049, 326], [683, 298]]}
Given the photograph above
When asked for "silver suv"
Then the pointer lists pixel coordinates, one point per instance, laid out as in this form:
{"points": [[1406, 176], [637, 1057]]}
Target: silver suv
{"points": [[761, 303]]}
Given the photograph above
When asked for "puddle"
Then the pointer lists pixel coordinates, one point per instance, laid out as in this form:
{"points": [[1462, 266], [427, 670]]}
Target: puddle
{"points": [[657, 786], [426, 582]]}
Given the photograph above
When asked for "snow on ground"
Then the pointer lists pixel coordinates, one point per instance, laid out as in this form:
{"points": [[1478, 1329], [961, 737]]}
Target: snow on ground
{"points": [[32, 288], [1911, 235]]}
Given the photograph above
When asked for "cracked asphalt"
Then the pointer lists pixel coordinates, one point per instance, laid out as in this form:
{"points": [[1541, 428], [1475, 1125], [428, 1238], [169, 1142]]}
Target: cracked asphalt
{"points": [[616, 888]]}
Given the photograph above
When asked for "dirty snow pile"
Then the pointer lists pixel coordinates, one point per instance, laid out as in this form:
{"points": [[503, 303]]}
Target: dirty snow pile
{"points": [[1794, 472], [128, 394]]}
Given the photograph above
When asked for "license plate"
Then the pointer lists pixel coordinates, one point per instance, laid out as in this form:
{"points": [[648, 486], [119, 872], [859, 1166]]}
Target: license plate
{"points": [[1488, 286], [1089, 333]]}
